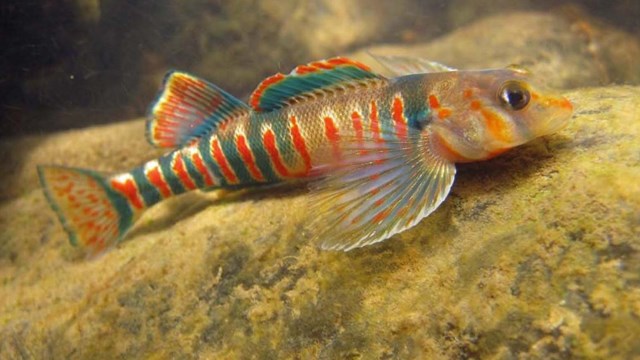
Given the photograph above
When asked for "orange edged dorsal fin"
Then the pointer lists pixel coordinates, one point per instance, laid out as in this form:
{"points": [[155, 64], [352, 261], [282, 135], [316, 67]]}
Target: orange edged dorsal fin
{"points": [[318, 78]]}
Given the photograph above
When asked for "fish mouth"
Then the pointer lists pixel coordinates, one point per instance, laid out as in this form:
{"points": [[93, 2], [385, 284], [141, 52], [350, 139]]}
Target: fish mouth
{"points": [[557, 113]]}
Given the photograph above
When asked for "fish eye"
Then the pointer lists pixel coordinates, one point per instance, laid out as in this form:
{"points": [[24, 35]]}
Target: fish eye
{"points": [[514, 95]]}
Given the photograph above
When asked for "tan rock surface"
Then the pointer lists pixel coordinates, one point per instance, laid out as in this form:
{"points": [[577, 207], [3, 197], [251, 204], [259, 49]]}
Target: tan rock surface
{"points": [[535, 253]]}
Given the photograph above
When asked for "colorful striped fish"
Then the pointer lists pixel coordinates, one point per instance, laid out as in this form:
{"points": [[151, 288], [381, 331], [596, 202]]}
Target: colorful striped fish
{"points": [[378, 153]]}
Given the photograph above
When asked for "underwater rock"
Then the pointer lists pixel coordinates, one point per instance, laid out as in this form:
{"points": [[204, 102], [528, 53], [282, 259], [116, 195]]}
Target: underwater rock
{"points": [[534, 254], [568, 50]]}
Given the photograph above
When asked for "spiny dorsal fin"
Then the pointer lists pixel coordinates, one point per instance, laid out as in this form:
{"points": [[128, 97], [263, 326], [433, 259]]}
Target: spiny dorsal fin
{"points": [[187, 108], [312, 80]]}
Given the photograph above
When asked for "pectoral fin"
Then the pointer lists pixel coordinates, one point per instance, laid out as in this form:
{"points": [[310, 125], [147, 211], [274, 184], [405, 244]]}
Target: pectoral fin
{"points": [[378, 190]]}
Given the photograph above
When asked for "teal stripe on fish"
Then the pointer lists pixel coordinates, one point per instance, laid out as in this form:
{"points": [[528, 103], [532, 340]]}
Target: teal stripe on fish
{"points": [[170, 176], [204, 147], [263, 162], [193, 171], [149, 193], [230, 149]]}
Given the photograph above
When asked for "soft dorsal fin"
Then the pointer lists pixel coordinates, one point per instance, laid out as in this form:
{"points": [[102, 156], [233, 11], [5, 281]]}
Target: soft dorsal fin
{"points": [[187, 108], [402, 65], [310, 81]]}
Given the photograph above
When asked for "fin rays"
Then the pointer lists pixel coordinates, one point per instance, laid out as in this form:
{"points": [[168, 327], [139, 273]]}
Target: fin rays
{"points": [[369, 198]]}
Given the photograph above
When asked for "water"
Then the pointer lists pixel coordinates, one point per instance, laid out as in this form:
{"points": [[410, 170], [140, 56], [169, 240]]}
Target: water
{"points": [[534, 254]]}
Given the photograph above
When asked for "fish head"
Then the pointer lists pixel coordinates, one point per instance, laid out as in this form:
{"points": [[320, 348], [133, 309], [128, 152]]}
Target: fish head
{"points": [[495, 110]]}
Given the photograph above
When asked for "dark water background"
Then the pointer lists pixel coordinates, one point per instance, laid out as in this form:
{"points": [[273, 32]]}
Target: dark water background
{"points": [[75, 63]]}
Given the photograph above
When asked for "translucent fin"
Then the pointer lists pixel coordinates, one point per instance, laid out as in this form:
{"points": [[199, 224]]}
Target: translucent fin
{"points": [[378, 190], [187, 108], [310, 81], [94, 216], [401, 66]]}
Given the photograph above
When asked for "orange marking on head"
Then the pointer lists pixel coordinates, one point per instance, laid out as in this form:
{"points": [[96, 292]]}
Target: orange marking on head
{"points": [[378, 202], [496, 126], [247, 156], [444, 113], [467, 93], [475, 105], [560, 102], [565, 103], [433, 102]]}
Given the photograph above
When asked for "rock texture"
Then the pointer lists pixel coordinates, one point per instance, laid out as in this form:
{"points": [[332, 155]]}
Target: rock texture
{"points": [[534, 254]]}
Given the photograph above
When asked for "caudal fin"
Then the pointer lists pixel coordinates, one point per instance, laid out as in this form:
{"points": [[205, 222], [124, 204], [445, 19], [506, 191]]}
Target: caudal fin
{"points": [[92, 213]]}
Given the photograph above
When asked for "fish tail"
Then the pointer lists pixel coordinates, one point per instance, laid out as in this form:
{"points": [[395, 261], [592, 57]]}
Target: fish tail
{"points": [[94, 215]]}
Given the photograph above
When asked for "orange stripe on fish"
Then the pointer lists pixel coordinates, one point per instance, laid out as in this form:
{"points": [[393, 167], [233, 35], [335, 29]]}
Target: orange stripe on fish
{"points": [[202, 169], [269, 141], [154, 174], [177, 165], [356, 118], [248, 158], [220, 158], [126, 185], [373, 121], [299, 144], [400, 120], [331, 133]]}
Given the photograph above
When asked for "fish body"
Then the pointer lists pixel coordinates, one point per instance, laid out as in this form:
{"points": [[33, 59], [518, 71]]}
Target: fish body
{"points": [[378, 153]]}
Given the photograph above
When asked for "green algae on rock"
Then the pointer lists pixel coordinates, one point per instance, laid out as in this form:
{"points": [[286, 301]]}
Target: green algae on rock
{"points": [[535, 254]]}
